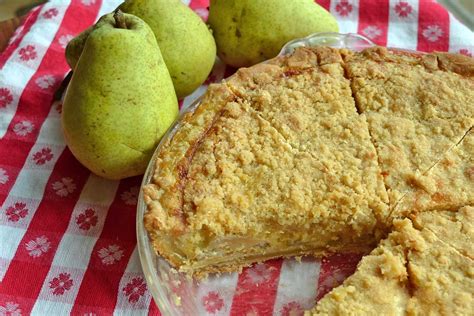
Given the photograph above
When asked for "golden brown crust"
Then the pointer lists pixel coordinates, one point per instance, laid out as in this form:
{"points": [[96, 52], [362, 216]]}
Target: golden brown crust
{"points": [[182, 185], [172, 163], [460, 64], [163, 195], [449, 62]]}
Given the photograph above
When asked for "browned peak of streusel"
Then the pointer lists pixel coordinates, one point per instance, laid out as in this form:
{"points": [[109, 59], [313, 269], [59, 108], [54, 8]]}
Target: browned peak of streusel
{"points": [[416, 112]]}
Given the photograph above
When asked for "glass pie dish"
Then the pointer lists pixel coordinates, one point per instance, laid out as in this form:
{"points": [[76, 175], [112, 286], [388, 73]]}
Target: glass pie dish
{"points": [[283, 285]]}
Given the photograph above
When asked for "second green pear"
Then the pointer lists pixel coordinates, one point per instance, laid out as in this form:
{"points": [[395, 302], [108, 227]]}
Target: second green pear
{"points": [[120, 100], [185, 41], [250, 31]]}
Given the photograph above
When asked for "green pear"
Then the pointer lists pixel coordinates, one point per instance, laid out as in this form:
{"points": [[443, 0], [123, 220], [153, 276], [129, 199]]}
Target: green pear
{"points": [[185, 41], [76, 45], [250, 31], [120, 100]]}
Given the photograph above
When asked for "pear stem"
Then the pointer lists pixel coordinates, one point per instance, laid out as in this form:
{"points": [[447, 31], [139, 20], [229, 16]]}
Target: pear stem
{"points": [[58, 94], [119, 19]]}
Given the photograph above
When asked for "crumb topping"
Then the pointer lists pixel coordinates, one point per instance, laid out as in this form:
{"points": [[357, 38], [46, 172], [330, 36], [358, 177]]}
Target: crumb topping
{"points": [[314, 152], [447, 185], [416, 113], [292, 145]]}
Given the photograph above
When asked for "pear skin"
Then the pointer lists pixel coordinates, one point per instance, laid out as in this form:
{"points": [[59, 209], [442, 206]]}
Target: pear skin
{"points": [[250, 31], [120, 100], [76, 45], [187, 45]]}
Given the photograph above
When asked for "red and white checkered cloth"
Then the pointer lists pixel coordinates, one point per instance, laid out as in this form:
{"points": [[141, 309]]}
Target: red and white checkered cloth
{"points": [[67, 237]]}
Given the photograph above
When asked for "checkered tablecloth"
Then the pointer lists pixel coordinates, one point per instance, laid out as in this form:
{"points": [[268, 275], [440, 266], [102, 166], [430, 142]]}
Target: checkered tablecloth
{"points": [[67, 237]]}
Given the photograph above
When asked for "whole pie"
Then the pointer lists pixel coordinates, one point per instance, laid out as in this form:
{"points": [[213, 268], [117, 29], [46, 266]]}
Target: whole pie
{"points": [[325, 150]]}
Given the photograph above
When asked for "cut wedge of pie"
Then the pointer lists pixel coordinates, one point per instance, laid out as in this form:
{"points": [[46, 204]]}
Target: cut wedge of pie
{"points": [[310, 154], [422, 268], [275, 162]]}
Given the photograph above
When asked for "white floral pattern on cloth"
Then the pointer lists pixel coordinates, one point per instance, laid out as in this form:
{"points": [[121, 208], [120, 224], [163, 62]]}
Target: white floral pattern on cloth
{"points": [[6, 97], [45, 82], [259, 273], [43, 156], [28, 53], [110, 255], [38, 246], [253, 311], [130, 197], [50, 13], [23, 128], [403, 9], [64, 187], [292, 309], [212, 302], [10, 309], [16, 212], [60, 284], [87, 219], [372, 32], [64, 40], [343, 8], [87, 2], [3, 176], [432, 33], [135, 289]]}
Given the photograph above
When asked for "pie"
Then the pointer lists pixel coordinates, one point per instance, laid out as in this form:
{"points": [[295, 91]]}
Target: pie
{"points": [[424, 267], [416, 109], [325, 150]]}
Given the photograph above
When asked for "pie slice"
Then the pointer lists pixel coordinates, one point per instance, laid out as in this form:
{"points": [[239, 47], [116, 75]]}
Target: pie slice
{"points": [[275, 162], [441, 277], [380, 284], [415, 271], [418, 107]]}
